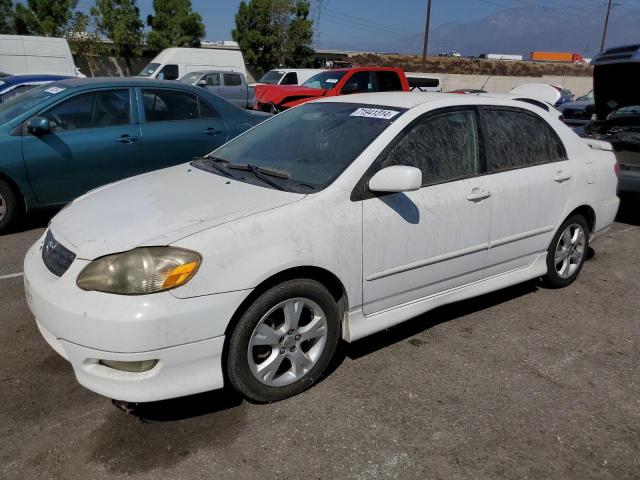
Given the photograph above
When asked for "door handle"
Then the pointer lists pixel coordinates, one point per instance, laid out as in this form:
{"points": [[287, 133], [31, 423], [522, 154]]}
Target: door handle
{"points": [[212, 131], [561, 177], [478, 195], [127, 139]]}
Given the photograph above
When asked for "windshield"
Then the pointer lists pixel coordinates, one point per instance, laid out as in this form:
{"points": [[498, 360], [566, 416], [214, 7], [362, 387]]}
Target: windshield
{"points": [[149, 70], [19, 105], [324, 80], [628, 111], [313, 143], [190, 77], [586, 98], [272, 77]]}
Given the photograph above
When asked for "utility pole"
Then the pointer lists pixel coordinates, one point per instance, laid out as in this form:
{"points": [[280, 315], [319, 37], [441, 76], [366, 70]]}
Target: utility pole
{"points": [[426, 31], [606, 25]]}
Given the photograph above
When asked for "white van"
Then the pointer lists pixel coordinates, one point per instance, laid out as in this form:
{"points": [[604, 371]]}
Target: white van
{"points": [[27, 55], [173, 63], [287, 76], [423, 82]]}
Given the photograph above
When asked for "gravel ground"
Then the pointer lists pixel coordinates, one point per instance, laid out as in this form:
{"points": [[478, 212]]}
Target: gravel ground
{"points": [[522, 383]]}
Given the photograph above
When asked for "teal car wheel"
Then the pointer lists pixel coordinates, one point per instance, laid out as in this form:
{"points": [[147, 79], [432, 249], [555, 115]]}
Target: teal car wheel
{"points": [[8, 206]]}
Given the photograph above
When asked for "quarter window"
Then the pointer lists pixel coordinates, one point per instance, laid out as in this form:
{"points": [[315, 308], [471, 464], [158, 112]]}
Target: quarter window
{"points": [[444, 147], [91, 110], [169, 105], [232, 80], [516, 139]]}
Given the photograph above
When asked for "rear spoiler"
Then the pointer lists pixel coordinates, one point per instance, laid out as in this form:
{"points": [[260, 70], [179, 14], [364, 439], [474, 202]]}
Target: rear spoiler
{"points": [[598, 144]]}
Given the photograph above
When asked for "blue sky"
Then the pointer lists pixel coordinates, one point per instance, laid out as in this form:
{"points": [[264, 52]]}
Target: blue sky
{"points": [[347, 23]]}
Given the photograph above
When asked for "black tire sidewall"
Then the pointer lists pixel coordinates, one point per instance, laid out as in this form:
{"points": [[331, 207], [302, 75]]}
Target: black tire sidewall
{"points": [[552, 279], [12, 206], [237, 365]]}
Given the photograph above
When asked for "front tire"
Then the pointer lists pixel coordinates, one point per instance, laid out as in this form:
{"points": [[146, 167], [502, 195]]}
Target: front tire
{"points": [[567, 252], [9, 207], [284, 341]]}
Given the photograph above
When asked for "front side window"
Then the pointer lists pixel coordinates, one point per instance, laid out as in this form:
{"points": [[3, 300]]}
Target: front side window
{"points": [[325, 80], [388, 82], [290, 78], [212, 80], [359, 82], [516, 139], [169, 72], [444, 147], [312, 144], [232, 80], [169, 105], [91, 110]]}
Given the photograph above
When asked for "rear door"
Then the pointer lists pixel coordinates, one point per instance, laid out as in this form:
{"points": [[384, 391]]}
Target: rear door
{"points": [[530, 180], [176, 126], [94, 140]]}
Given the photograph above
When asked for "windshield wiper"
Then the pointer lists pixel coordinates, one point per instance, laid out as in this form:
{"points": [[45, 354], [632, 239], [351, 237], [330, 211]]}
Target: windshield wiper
{"points": [[262, 173], [214, 163]]}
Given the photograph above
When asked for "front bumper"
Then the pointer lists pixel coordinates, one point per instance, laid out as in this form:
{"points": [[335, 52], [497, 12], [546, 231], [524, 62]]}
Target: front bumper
{"points": [[186, 336]]}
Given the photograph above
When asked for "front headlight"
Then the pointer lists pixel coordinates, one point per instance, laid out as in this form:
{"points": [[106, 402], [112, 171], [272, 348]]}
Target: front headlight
{"points": [[140, 271]]}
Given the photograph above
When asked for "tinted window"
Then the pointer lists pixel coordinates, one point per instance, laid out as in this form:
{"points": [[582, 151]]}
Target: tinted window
{"points": [[169, 105], [420, 83], [290, 78], [359, 82], [213, 80], [205, 110], [444, 147], [232, 80], [91, 110], [388, 82], [168, 72], [515, 138], [312, 143]]}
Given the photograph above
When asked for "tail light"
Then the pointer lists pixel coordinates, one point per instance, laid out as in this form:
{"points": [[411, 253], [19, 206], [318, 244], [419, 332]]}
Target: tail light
{"points": [[616, 168]]}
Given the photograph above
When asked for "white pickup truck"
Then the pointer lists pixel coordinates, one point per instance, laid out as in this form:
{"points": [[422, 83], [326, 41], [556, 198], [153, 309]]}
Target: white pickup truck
{"points": [[231, 86]]}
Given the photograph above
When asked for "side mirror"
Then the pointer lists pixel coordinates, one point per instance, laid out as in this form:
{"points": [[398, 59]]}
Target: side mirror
{"points": [[38, 126], [201, 83], [395, 179]]}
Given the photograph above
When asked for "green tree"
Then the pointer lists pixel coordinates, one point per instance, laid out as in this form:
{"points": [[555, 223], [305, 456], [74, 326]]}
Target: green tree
{"points": [[174, 25], [6, 17], [44, 17], [274, 33], [119, 20], [85, 41]]}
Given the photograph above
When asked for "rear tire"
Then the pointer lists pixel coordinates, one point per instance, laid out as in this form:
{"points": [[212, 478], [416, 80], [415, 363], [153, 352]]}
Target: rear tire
{"points": [[284, 341], [567, 252], [9, 207]]}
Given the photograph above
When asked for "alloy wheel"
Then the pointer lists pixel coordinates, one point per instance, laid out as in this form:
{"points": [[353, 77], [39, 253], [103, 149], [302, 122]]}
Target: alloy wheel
{"points": [[570, 251]]}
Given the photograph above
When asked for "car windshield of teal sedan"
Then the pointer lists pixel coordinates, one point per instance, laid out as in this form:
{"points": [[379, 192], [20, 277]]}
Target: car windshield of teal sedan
{"points": [[324, 80], [303, 149], [18, 105]]}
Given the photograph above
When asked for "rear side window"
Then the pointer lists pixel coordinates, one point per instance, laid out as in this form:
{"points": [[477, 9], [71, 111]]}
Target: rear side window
{"points": [[91, 110], [206, 111], [169, 105], [515, 139], [388, 82], [232, 80], [444, 147], [290, 78]]}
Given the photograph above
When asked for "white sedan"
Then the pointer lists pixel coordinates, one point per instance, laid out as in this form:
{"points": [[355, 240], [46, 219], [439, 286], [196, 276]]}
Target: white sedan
{"points": [[336, 219]]}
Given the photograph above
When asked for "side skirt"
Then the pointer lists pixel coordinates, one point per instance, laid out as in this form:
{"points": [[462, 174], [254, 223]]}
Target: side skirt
{"points": [[356, 325]]}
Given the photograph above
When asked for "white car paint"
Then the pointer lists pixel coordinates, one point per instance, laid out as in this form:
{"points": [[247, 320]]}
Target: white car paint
{"points": [[396, 256]]}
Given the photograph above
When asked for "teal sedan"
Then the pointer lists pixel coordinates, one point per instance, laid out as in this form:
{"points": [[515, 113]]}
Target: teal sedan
{"points": [[62, 139]]}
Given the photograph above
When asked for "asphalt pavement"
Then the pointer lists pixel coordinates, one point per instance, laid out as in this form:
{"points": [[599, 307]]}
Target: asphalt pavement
{"points": [[522, 383]]}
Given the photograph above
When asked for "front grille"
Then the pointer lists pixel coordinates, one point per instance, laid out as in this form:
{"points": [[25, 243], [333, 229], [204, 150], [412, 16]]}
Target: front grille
{"points": [[56, 258]]}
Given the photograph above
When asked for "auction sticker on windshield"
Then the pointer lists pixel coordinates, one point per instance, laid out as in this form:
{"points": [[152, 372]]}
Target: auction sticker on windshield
{"points": [[375, 113]]}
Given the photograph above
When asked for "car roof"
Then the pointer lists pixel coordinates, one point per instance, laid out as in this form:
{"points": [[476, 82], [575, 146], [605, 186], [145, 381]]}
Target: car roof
{"points": [[120, 82]]}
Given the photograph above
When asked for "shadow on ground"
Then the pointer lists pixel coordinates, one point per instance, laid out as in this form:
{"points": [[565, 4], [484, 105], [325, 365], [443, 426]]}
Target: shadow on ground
{"points": [[629, 211], [33, 220]]}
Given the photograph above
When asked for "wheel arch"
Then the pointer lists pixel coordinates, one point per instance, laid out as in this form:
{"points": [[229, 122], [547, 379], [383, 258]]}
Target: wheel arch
{"points": [[588, 213], [22, 200]]}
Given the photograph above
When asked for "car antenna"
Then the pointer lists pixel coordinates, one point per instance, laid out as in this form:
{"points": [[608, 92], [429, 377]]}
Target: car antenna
{"points": [[490, 75]]}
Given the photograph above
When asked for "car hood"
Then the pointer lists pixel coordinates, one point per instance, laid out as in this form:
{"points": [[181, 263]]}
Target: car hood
{"points": [[159, 208], [277, 94], [580, 105], [615, 85]]}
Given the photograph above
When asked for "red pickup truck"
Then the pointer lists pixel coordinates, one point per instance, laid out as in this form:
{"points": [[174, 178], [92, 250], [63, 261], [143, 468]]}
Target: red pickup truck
{"points": [[330, 83]]}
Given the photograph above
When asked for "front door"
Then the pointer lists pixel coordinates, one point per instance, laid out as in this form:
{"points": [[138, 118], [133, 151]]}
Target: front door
{"points": [[530, 180], [93, 141], [177, 126], [417, 244]]}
